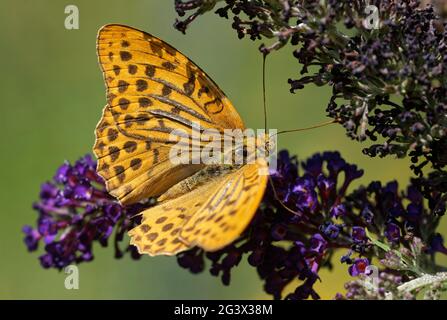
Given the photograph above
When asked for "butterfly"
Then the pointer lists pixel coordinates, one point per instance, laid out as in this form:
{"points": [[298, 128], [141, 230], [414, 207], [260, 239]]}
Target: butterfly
{"points": [[153, 89]]}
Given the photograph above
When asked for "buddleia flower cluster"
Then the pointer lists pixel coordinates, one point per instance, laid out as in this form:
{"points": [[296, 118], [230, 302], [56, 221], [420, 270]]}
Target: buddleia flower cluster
{"points": [[388, 83], [302, 221], [385, 62], [310, 214], [74, 212]]}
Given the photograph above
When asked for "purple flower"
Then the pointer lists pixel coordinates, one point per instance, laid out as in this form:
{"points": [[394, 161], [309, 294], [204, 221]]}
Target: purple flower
{"points": [[331, 230], [63, 173], [303, 195], [358, 267], [284, 245], [32, 238], [318, 244], [314, 195], [74, 211], [365, 74], [338, 211], [414, 211], [279, 231], [437, 244], [358, 234], [367, 214], [314, 165], [347, 258], [392, 232]]}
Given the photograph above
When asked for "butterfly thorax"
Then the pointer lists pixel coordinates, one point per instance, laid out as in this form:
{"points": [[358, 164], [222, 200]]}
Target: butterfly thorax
{"points": [[242, 152]]}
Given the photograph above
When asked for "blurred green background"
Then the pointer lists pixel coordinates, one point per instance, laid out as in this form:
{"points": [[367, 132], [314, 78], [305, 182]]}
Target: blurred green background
{"points": [[52, 95]]}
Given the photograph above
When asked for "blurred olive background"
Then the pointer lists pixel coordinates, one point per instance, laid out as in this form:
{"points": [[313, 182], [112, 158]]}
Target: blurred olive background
{"points": [[52, 94]]}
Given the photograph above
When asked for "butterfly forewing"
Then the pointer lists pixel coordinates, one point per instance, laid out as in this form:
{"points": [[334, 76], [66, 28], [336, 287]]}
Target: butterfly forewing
{"points": [[152, 89], [134, 169], [143, 73]]}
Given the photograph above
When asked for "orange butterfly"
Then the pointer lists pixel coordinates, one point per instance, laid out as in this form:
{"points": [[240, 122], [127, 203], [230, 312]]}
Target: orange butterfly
{"points": [[153, 89]]}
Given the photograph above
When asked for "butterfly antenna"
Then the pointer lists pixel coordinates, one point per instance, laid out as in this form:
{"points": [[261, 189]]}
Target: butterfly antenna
{"points": [[319, 125], [275, 194], [264, 57]]}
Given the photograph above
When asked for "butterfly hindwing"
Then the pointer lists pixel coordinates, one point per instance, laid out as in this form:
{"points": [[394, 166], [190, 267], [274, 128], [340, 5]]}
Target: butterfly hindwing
{"points": [[211, 216], [229, 210], [159, 232]]}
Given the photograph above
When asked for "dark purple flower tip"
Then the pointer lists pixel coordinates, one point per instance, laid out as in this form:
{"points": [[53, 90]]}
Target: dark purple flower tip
{"points": [[256, 257], [392, 188], [87, 256], [232, 259], [367, 214], [63, 173], [193, 260], [339, 296], [338, 211], [335, 163], [352, 172], [358, 267], [32, 238], [375, 186], [84, 165], [286, 166], [346, 258], [325, 185], [48, 191], [414, 195], [46, 260], [114, 211], [331, 230], [437, 244], [314, 165], [304, 291], [414, 211], [279, 231], [317, 244], [392, 232], [304, 195], [358, 234], [47, 226], [82, 192]]}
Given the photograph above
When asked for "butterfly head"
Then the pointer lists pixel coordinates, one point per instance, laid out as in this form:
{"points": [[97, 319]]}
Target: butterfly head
{"points": [[255, 147], [266, 144]]}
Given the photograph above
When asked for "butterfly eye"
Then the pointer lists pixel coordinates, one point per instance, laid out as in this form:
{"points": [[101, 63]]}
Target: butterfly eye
{"points": [[241, 153], [244, 152]]}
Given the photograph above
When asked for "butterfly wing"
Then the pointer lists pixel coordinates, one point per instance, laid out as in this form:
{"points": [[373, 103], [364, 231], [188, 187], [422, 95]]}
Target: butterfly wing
{"points": [[160, 226], [131, 168], [152, 89], [210, 216], [226, 214]]}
